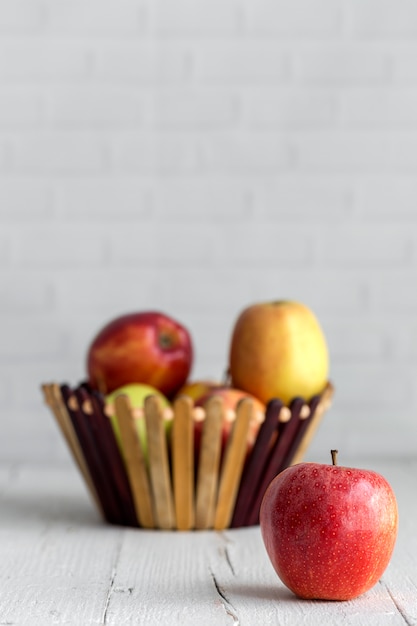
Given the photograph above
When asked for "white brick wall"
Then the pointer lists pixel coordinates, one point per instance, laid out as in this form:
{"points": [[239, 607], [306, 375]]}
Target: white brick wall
{"points": [[199, 156]]}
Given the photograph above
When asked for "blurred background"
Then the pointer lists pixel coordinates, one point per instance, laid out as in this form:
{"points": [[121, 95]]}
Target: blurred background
{"points": [[196, 157]]}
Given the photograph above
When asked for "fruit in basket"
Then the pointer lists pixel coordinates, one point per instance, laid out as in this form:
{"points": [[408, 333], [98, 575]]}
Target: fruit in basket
{"points": [[230, 398], [195, 389], [137, 394], [278, 350], [329, 531], [147, 347]]}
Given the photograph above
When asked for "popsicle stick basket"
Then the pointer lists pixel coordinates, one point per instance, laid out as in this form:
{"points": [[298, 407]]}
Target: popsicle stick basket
{"points": [[188, 476]]}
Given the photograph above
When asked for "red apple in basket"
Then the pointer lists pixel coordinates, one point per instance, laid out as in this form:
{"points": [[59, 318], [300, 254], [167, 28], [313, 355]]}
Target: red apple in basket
{"points": [[278, 350], [329, 531], [231, 398], [148, 347]]}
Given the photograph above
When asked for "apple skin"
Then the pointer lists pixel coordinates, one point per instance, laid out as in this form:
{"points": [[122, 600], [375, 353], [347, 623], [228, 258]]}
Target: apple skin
{"points": [[147, 347], [278, 350], [329, 531], [137, 394], [196, 389]]}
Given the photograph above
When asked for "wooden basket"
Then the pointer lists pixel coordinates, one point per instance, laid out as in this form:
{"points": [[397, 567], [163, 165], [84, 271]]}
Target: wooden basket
{"points": [[173, 487]]}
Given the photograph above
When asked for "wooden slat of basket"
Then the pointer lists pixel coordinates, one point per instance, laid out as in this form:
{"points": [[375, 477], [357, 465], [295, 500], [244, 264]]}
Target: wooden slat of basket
{"points": [[256, 463], [91, 406], [159, 468], [314, 422], [53, 398], [209, 464], [286, 430], [287, 436], [305, 416], [135, 462], [97, 466], [233, 464], [281, 457], [183, 463]]}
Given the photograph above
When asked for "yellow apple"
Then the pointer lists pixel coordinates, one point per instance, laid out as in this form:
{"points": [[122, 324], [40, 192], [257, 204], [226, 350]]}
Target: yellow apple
{"points": [[278, 350], [196, 389], [137, 393]]}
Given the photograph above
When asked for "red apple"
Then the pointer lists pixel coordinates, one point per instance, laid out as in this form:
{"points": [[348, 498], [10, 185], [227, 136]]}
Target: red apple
{"points": [[278, 350], [231, 397], [329, 531], [148, 348]]}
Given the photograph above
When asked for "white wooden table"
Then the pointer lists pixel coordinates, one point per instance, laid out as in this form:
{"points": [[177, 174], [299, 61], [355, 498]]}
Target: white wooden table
{"points": [[60, 564]]}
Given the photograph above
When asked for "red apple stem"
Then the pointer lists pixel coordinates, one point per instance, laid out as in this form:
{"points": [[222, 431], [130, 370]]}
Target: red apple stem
{"points": [[334, 454]]}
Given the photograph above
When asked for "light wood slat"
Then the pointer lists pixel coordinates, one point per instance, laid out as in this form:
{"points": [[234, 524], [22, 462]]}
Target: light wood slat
{"points": [[233, 464], [183, 462], [53, 399], [209, 464], [159, 467], [135, 462], [314, 423]]}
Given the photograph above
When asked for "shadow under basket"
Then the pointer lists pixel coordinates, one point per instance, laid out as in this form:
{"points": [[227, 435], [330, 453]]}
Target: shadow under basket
{"points": [[177, 483]]}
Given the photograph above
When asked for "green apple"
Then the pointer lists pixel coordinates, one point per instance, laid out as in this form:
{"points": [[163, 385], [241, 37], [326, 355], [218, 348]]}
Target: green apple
{"points": [[136, 393]]}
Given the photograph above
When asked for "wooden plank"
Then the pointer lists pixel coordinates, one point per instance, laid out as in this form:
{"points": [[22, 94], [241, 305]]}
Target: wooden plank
{"points": [[177, 586], [60, 564], [159, 465], [56, 555], [183, 462], [209, 464], [400, 578], [135, 462]]}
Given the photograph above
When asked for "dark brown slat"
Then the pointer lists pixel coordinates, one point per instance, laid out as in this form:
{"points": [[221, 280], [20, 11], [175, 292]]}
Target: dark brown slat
{"points": [[55, 401], [299, 435], [92, 457], [256, 462], [314, 422], [287, 431], [104, 437]]}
